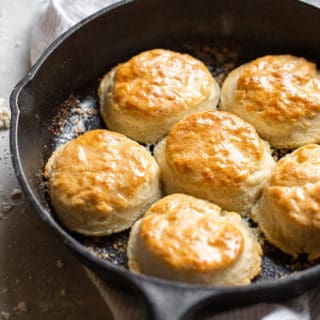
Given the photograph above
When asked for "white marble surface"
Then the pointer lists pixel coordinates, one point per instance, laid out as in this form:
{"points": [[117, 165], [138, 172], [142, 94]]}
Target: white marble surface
{"points": [[39, 278]]}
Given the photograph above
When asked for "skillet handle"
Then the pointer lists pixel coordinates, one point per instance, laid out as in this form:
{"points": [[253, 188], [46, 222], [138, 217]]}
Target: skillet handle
{"points": [[165, 302]]}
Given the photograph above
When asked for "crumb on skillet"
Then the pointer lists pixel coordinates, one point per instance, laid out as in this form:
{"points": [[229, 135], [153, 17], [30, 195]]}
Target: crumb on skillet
{"points": [[4, 115]]}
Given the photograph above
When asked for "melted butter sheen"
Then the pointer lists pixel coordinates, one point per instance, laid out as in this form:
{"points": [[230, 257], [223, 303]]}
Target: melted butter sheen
{"points": [[159, 81], [280, 88], [100, 170], [300, 167], [190, 236], [230, 148], [300, 204], [295, 185]]}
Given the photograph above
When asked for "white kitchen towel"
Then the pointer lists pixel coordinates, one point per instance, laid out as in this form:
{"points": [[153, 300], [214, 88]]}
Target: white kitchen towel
{"points": [[55, 17]]}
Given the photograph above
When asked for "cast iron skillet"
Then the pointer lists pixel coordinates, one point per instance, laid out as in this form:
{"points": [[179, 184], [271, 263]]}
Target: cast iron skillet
{"points": [[113, 35]]}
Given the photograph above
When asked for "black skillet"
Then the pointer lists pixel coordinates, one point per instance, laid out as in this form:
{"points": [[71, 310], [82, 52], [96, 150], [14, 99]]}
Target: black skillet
{"points": [[74, 63]]}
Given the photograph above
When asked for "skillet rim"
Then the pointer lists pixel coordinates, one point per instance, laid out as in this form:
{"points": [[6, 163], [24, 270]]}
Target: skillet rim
{"points": [[303, 279]]}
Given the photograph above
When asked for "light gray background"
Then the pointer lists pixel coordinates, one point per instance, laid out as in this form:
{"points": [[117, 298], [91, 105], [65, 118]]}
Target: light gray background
{"points": [[36, 270]]}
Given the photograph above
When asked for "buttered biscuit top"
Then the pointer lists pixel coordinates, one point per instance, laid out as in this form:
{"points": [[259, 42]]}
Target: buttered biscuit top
{"points": [[280, 96], [158, 81], [289, 209], [144, 96], [295, 184], [216, 156], [214, 244], [218, 146], [184, 238], [101, 182]]}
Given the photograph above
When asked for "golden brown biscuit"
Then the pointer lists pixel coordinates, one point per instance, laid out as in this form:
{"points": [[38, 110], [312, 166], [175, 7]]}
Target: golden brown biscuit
{"points": [[289, 210], [215, 156], [187, 239], [279, 96], [101, 182], [143, 97]]}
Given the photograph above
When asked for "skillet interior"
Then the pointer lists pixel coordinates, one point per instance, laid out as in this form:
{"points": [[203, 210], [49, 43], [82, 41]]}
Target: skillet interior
{"points": [[80, 113], [75, 65]]}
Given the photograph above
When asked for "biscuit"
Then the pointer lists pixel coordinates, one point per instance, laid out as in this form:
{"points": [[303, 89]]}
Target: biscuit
{"points": [[215, 156], [143, 97], [288, 212], [279, 96], [101, 182], [186, 239]]}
